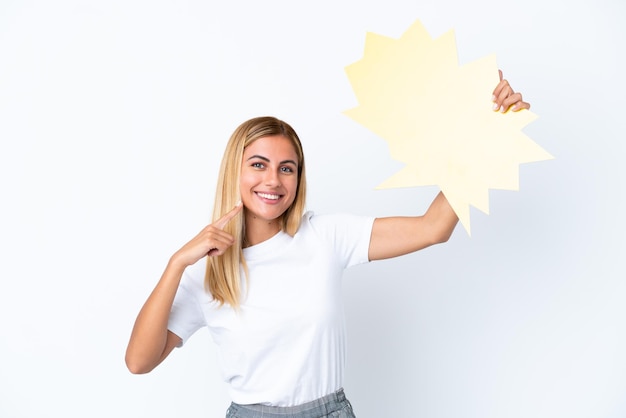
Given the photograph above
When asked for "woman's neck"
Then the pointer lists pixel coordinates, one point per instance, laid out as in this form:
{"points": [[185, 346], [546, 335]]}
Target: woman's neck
{"points": [[259, 230]]}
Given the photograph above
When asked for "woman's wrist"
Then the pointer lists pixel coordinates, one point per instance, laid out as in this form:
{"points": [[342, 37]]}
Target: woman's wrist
{"points": [[176, 264]]}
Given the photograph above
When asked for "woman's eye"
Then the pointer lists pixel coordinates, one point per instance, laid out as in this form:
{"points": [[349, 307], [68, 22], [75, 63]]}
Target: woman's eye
{"points": [[257, 165], [286, 169]]}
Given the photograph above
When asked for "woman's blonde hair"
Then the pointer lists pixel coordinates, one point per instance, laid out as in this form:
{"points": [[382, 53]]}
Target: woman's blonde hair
{"points": [[223, 279]]}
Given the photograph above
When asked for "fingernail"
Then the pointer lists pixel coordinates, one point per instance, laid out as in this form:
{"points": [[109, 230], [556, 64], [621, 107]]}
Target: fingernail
{"points": [[495, 106], [502, 109], [514, 107], [493, 97], [238, 203]]}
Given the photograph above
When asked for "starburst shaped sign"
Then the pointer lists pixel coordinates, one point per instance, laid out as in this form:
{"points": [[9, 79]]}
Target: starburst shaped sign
{"points": [[437, 118]]}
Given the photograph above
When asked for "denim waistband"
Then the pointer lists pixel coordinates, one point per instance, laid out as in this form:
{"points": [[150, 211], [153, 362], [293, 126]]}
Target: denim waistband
{"points": [[313, 409]]}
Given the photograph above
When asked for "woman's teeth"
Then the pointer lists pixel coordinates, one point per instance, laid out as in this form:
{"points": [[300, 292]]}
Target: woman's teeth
{"points": [[268, 196]]}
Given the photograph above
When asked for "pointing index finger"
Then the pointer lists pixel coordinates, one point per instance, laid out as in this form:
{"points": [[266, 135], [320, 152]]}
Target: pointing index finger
{"points": [[221, 222]]}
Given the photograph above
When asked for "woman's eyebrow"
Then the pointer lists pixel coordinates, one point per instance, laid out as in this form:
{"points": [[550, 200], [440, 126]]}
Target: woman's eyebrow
{"points": [[260, 157]]}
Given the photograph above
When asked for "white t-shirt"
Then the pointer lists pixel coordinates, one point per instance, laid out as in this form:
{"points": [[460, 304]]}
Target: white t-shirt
{"points": [[287, 345]]}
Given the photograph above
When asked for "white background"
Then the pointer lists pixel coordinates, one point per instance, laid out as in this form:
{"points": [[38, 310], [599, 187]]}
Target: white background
{"points": [[113, 118]]}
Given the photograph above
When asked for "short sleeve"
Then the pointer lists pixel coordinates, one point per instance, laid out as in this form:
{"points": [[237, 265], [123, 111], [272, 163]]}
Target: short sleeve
{"points": [[186, 316], [349, 235]]}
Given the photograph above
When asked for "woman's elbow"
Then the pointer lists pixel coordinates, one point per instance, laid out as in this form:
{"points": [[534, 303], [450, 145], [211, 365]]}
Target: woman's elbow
{"points": [[444, 237], [440, 236], [137, 365]]}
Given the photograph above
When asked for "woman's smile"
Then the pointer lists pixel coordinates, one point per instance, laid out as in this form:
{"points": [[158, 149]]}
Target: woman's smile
{"points": [[268, 196]]}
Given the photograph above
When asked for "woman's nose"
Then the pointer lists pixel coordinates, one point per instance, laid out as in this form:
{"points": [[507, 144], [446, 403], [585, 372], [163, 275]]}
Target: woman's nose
{"points": [[272, 178]]}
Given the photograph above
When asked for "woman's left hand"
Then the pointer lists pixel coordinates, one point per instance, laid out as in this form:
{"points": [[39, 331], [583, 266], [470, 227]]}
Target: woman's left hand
{"points": [[504, 98]]}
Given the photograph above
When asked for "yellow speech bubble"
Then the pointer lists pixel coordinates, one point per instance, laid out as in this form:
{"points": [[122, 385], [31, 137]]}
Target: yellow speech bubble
{"points": [[438, 120]]}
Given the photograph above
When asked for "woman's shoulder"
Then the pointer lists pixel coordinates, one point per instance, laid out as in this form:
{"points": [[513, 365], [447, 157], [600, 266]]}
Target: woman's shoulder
{"points": [[333, 217], [335, 221], [343, 234]]}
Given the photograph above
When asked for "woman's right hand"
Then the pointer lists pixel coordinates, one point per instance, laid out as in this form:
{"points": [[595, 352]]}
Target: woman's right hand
{"points": [[211, 241]]}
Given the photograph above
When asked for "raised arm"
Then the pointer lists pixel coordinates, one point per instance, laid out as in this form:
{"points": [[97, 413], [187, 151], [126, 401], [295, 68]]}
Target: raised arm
{"points": [[150, 341], [395, 236], [399, 235]]}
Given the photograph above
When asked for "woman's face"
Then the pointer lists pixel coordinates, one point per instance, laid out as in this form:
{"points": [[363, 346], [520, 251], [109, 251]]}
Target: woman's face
{"points": [[269, 179]]}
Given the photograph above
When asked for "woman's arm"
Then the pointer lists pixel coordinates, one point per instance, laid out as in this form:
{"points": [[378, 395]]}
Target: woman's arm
{"points": [[150, 341], [395, 236]]}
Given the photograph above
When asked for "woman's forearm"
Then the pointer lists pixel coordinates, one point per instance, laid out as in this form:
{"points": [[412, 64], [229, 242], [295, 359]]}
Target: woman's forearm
{"points": [[149, 336]]}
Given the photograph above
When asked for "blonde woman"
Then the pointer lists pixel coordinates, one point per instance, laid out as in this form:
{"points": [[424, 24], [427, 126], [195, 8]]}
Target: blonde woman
{"points": [[264, 278]]}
